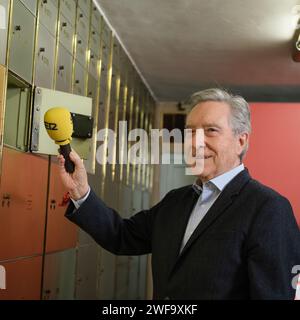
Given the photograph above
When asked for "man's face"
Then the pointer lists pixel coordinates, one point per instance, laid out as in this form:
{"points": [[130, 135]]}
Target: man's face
{"points": [[221, 147]]}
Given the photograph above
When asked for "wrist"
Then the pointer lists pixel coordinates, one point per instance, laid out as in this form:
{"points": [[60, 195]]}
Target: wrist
{"points": [[79, 193]]}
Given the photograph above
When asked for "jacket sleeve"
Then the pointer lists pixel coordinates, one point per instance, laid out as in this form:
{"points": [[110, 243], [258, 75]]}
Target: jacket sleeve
{"points": [[120, 236], [273, 250]]}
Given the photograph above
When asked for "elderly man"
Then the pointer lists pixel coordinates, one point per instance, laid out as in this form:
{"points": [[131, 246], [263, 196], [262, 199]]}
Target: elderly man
{"points": [[225, 237]]}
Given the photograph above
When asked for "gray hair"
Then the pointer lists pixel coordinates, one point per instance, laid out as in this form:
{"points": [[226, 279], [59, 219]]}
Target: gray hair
{"points": [[240, 112]]}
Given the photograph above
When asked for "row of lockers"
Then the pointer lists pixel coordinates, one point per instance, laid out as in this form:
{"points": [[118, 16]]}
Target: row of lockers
{"points": [[65, 46], [111, 81], [45, 24], [23, 218], [64, 278]]}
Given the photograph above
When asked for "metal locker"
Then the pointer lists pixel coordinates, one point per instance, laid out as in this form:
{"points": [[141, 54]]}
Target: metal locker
{"points": [[92, 89], [134, 261], [95, 179], [3, 85], [17, 114], [121, 285], [64, 70], [68, 9], [86, 272], [45, 99], [84, 238], [95, 42], [142, 274], [59, 275], [85, 6], [66, 33], [94, 65], [23, 279], [79, 86], [133, 278], [31, 5], [106, 275], [103, 80], [81, 51], [61, 234], [116, 56], [108, 193], [105, 56], [23, 194], [44, 58], [82, 24], [115, 195], [22, 33], [137, 201], [48, 12], [146, 200], [101, 114], [92, 92], [106, 32], [126, 200], [96, 18], [4, 9]]}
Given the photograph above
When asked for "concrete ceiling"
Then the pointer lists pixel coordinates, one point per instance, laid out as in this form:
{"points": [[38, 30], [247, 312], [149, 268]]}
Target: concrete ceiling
{"points": [[181, 46]]}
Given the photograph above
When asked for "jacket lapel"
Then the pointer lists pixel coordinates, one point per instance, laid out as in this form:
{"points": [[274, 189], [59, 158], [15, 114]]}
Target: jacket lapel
{"points": [[221, 204], [183, 209]]}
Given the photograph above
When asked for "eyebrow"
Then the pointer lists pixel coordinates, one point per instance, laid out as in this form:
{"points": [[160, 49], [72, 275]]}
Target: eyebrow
{"points": [[205, 126]]}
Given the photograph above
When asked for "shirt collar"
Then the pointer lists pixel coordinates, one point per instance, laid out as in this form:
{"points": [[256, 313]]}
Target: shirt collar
{"points": [[220, 181]]}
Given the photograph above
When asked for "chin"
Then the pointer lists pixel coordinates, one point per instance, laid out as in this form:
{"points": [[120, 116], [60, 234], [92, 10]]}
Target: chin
{"points": [[206, 175]]}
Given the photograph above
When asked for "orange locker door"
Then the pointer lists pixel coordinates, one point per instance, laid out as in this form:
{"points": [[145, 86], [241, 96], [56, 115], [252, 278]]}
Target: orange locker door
{"points": [[23, 279], [23, 194], [61, 233], [274, 152]]}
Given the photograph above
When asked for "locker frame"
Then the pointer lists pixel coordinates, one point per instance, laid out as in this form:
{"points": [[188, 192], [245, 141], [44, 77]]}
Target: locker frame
{"points": [[107, 110], [3, 88], [131, 109]]}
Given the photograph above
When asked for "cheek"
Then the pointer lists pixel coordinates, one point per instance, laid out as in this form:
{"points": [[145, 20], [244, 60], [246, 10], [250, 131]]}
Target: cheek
{"points": [[223, 148]]}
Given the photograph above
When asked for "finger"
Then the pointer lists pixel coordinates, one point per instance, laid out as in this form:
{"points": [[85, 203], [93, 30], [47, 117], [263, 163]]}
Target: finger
{"points": [[76, 159], [62, 170], [61, 161]]}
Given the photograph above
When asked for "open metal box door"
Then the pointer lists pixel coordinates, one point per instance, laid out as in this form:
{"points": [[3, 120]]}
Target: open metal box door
{"points": [[2, 104], [45, 99]]}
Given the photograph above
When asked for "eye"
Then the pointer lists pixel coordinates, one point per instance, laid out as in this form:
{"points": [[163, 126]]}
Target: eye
{"points": [[211, 130]]}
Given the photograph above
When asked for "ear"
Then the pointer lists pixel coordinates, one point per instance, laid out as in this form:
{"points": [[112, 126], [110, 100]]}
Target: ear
{"points": [[243, 140]]}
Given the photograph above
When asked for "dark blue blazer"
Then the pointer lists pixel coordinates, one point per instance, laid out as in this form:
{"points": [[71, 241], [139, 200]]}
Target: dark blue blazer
{"points": [[244, 248]]}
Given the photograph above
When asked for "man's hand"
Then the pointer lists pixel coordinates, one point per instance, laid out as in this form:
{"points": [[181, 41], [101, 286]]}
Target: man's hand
{"points": [[76, 182]]}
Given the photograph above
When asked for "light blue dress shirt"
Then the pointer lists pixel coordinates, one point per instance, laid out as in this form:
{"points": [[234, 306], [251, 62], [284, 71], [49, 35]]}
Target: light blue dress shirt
{"points": [[208, 194]]}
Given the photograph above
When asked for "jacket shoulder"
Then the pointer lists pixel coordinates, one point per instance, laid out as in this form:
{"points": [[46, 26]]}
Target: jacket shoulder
{"points": [[263, 191]]}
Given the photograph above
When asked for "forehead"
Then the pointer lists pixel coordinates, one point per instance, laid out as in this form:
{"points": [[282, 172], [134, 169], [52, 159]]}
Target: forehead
{"points": [[209, 112]]}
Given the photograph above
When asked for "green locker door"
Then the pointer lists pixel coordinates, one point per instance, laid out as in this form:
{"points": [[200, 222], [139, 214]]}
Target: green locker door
{"points": [[59, 275], [22, 41], [3, 29], [17, 113]]}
